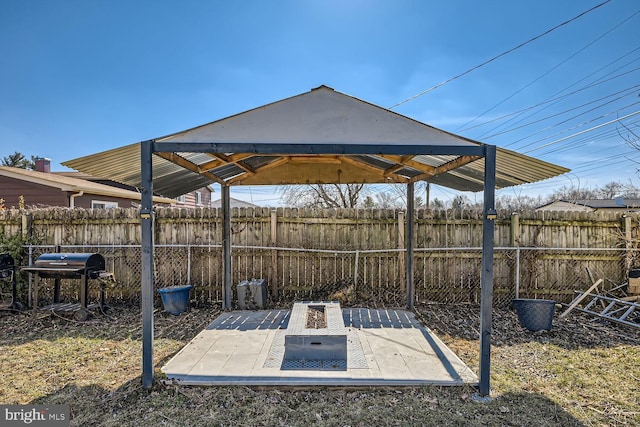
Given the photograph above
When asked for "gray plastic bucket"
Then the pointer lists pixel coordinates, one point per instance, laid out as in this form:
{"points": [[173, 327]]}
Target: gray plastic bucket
{"points": [[535, 314]]}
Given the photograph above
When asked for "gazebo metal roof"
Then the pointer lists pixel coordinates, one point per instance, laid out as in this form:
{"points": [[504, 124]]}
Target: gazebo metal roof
{"points": [[321, 136]]}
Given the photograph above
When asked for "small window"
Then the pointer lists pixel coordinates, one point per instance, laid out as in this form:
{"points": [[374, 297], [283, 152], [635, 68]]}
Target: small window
{"points": [[98, 204], [198, 198], [181, 199]]}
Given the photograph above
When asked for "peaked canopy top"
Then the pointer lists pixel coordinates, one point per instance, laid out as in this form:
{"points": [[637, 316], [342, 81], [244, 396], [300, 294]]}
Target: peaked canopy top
{"points": [[318, 137]]}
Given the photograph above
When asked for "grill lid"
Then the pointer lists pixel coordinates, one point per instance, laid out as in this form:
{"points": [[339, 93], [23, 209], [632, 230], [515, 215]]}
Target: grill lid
{"points": [[6, 266], [67, 264], [91, 261], [6, 261]]}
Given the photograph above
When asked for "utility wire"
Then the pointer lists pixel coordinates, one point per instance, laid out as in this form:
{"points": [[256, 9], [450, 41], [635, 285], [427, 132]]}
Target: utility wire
{"points": [[512, 129], [552, 101], [577, 126], [550, 127], [557, 98], [571, 129], [499, 56], [585, 131], [550, 70], [581, 142]]}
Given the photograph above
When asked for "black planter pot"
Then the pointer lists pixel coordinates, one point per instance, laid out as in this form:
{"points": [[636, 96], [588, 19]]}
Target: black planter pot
{"points": [[535, 314]]}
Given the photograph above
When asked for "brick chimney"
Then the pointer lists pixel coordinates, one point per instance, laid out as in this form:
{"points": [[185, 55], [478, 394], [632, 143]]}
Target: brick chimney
{"points": [[43, 164]]}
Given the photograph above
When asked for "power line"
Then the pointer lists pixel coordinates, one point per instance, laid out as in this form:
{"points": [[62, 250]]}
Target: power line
{"points": [[552, 101], [576, 126], [560, 97], [579, 143], [499, 56], [551, 69], [585, 131], [629, 90]]}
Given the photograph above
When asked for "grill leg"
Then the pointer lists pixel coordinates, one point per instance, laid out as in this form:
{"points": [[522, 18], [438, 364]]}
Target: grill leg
{"points": [[102, 297], [14, 286], [84, 290], [36, 284], [56, 291]]}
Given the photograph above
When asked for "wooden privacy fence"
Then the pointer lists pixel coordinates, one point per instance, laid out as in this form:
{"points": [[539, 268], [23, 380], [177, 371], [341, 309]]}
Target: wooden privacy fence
{"points": [[356, 256]]}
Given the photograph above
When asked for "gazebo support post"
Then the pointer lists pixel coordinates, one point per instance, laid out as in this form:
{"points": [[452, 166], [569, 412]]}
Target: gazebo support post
{"points": [[486, 275], [227, 290], [146, 222], [409, 229]]}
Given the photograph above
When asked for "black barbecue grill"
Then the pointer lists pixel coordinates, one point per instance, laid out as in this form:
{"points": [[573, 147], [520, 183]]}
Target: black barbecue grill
{"points": [[8, 272], [60, 266]]}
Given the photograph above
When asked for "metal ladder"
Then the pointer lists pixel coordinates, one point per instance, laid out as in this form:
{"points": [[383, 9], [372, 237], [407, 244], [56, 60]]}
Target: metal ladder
{"points": [[613, 309]]}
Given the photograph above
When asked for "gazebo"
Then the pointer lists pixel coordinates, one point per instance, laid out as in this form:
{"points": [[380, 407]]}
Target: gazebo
{"points": [[318, 137]]}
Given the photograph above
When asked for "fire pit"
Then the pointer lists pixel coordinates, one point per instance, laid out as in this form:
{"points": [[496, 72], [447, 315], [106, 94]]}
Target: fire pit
{"points": [[315, 334], [58, 266]]}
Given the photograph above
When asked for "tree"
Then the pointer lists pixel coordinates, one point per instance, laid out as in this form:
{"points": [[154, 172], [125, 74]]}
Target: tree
{"points": [[608, 191], [437, 204], [397, 195], [322, 195], [518, 203], [571, 194], [460, 202], [617, 189], [18, 160], [387, 200], [369, 202], [346, 196]]}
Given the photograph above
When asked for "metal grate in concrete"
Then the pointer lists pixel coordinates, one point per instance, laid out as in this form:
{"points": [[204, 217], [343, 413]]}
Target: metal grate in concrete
{"points": [[317, 365], [355, 355]]}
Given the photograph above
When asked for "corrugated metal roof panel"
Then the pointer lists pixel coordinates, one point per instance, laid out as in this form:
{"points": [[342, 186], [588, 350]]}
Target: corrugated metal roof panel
{"points": [[316, 119]]}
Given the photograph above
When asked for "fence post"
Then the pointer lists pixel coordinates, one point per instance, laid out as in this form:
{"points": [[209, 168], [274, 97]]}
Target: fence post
{"points": [[30, 290], [355, 270], [401, 240], [188, 264], [273, 280], [514, 240], [514, 235], [627, 227], [227, 273], [518, 272], [25, 226]]}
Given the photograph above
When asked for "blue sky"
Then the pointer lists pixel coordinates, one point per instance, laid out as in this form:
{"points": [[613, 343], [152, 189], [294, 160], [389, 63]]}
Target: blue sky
{"points": [[80, 77]]}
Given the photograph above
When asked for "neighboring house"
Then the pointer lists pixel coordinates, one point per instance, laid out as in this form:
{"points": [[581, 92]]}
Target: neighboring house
{"points": [[592, 205], [42, 188], [194, 199], [234, 203]]}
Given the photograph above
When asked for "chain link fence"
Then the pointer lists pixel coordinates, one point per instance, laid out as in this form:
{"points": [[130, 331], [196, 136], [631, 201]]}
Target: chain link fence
{"points": [[367, 277]]}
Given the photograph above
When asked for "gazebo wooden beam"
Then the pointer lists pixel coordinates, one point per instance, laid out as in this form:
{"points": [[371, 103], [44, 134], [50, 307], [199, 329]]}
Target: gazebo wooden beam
{"points": [[315, 159], [365, 166], [181, 161]]}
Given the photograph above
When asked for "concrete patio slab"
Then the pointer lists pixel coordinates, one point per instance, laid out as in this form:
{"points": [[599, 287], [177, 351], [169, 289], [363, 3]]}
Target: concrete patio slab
{"points": [[384, 348]]}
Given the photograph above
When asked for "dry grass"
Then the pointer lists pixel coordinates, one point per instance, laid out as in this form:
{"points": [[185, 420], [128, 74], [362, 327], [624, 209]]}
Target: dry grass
{"points": [[573, 375]]}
